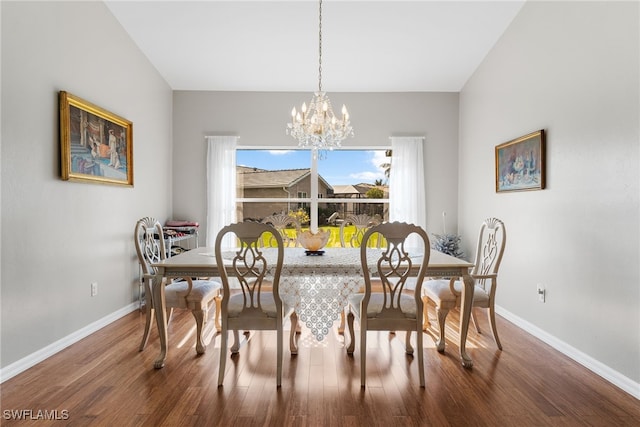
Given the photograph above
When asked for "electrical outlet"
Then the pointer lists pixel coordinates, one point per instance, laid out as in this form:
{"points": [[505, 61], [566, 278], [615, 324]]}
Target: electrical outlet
{"points": [[541, 292], [94, 289]]}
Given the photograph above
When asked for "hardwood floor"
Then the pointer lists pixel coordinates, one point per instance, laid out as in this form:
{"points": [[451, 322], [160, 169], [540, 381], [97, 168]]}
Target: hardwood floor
{"points": [[104, 380]]}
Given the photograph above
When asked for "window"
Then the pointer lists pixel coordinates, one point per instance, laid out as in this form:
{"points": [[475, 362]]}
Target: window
{"points": [[302, 195], [346, 181]]}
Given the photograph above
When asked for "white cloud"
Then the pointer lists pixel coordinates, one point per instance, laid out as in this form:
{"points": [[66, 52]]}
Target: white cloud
{"points": [[367, 176], [279, 152], [379, 158]]}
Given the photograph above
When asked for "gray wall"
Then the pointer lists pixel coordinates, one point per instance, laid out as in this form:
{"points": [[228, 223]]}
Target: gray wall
{"points": [[57, 236], [570, 68], [260, 118]]}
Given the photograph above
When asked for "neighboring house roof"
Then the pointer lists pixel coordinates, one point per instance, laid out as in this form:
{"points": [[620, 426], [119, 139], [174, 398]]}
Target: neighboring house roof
{"points": [[246, 169], [345, 189], [357, 189], [260, 178]]}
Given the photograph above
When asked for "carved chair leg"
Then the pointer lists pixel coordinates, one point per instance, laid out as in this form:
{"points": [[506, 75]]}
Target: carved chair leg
{"points": [[408, 346], [169, 314], [494, 329], [235, 348], [363, 355], [341, 326], [442, 317], [425, 315], [298, 328], [206, 313], [293, 346], [474, 319], [420, 345], [223, 356], [199, 316], [279, 354], [216, 320], [147, 326], [352, 335]]}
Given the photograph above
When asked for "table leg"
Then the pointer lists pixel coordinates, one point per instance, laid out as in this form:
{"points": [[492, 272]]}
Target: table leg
{"points": [[159, 304], [465, 315]]}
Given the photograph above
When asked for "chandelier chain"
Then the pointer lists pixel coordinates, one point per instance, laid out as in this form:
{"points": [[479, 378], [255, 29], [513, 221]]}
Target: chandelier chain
{"points": [[320, 48]]}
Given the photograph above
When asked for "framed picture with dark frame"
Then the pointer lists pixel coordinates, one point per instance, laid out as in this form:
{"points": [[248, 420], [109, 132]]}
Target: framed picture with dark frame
{"points": [[520, 163], [96, 145]]}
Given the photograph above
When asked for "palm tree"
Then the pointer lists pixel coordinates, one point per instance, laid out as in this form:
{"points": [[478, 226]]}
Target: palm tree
{"points": [[387, 166], [387, 170]]}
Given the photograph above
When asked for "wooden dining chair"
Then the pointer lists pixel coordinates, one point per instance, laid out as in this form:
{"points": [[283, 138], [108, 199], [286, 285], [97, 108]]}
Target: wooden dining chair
{"points": [[257, 304], [446, 294], [282, 222], [394, 308], [194, 295], [357, 225], [361, 223]]}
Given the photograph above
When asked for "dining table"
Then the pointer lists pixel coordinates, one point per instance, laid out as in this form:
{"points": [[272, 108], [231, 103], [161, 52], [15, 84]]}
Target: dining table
{"points": [[316, 285]]}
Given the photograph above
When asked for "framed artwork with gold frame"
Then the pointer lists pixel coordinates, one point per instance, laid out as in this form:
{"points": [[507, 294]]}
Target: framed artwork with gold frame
{"points": [[96, 145], [520, 163]]}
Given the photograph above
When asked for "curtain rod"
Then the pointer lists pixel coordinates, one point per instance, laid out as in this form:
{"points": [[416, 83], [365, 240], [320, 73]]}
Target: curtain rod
{"points": [[235, 136], [421, 137]]}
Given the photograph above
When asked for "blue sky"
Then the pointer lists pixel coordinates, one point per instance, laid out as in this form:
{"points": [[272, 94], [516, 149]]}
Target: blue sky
{"points": [[339, 167]]}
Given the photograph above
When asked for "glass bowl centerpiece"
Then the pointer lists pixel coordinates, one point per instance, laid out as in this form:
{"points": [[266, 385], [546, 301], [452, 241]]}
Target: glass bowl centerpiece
{"points": [[313, 242]]}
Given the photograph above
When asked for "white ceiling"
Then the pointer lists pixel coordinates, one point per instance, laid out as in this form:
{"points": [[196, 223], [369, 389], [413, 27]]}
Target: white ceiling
{"points": [[367, 46]]}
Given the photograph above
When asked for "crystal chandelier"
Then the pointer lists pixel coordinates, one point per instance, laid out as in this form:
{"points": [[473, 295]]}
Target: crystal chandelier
{"points": [[316, 126]]}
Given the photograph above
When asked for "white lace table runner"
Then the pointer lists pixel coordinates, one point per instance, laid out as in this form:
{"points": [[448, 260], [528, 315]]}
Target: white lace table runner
{"points": [[318, 286]]}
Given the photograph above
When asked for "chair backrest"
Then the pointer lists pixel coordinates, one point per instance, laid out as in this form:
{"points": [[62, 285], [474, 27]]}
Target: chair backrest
{"points": [[394, 265], [249, 266], [281, 222], [361, 223], [491, 242], [149, 239]]}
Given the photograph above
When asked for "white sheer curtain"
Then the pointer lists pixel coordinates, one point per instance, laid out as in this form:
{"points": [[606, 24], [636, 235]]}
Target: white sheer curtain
{"points": [[407, 201], [221, 185]]}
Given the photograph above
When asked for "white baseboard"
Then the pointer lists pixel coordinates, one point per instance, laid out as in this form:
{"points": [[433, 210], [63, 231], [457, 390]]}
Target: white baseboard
{"points": [[31, 360], [597, 367]]}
